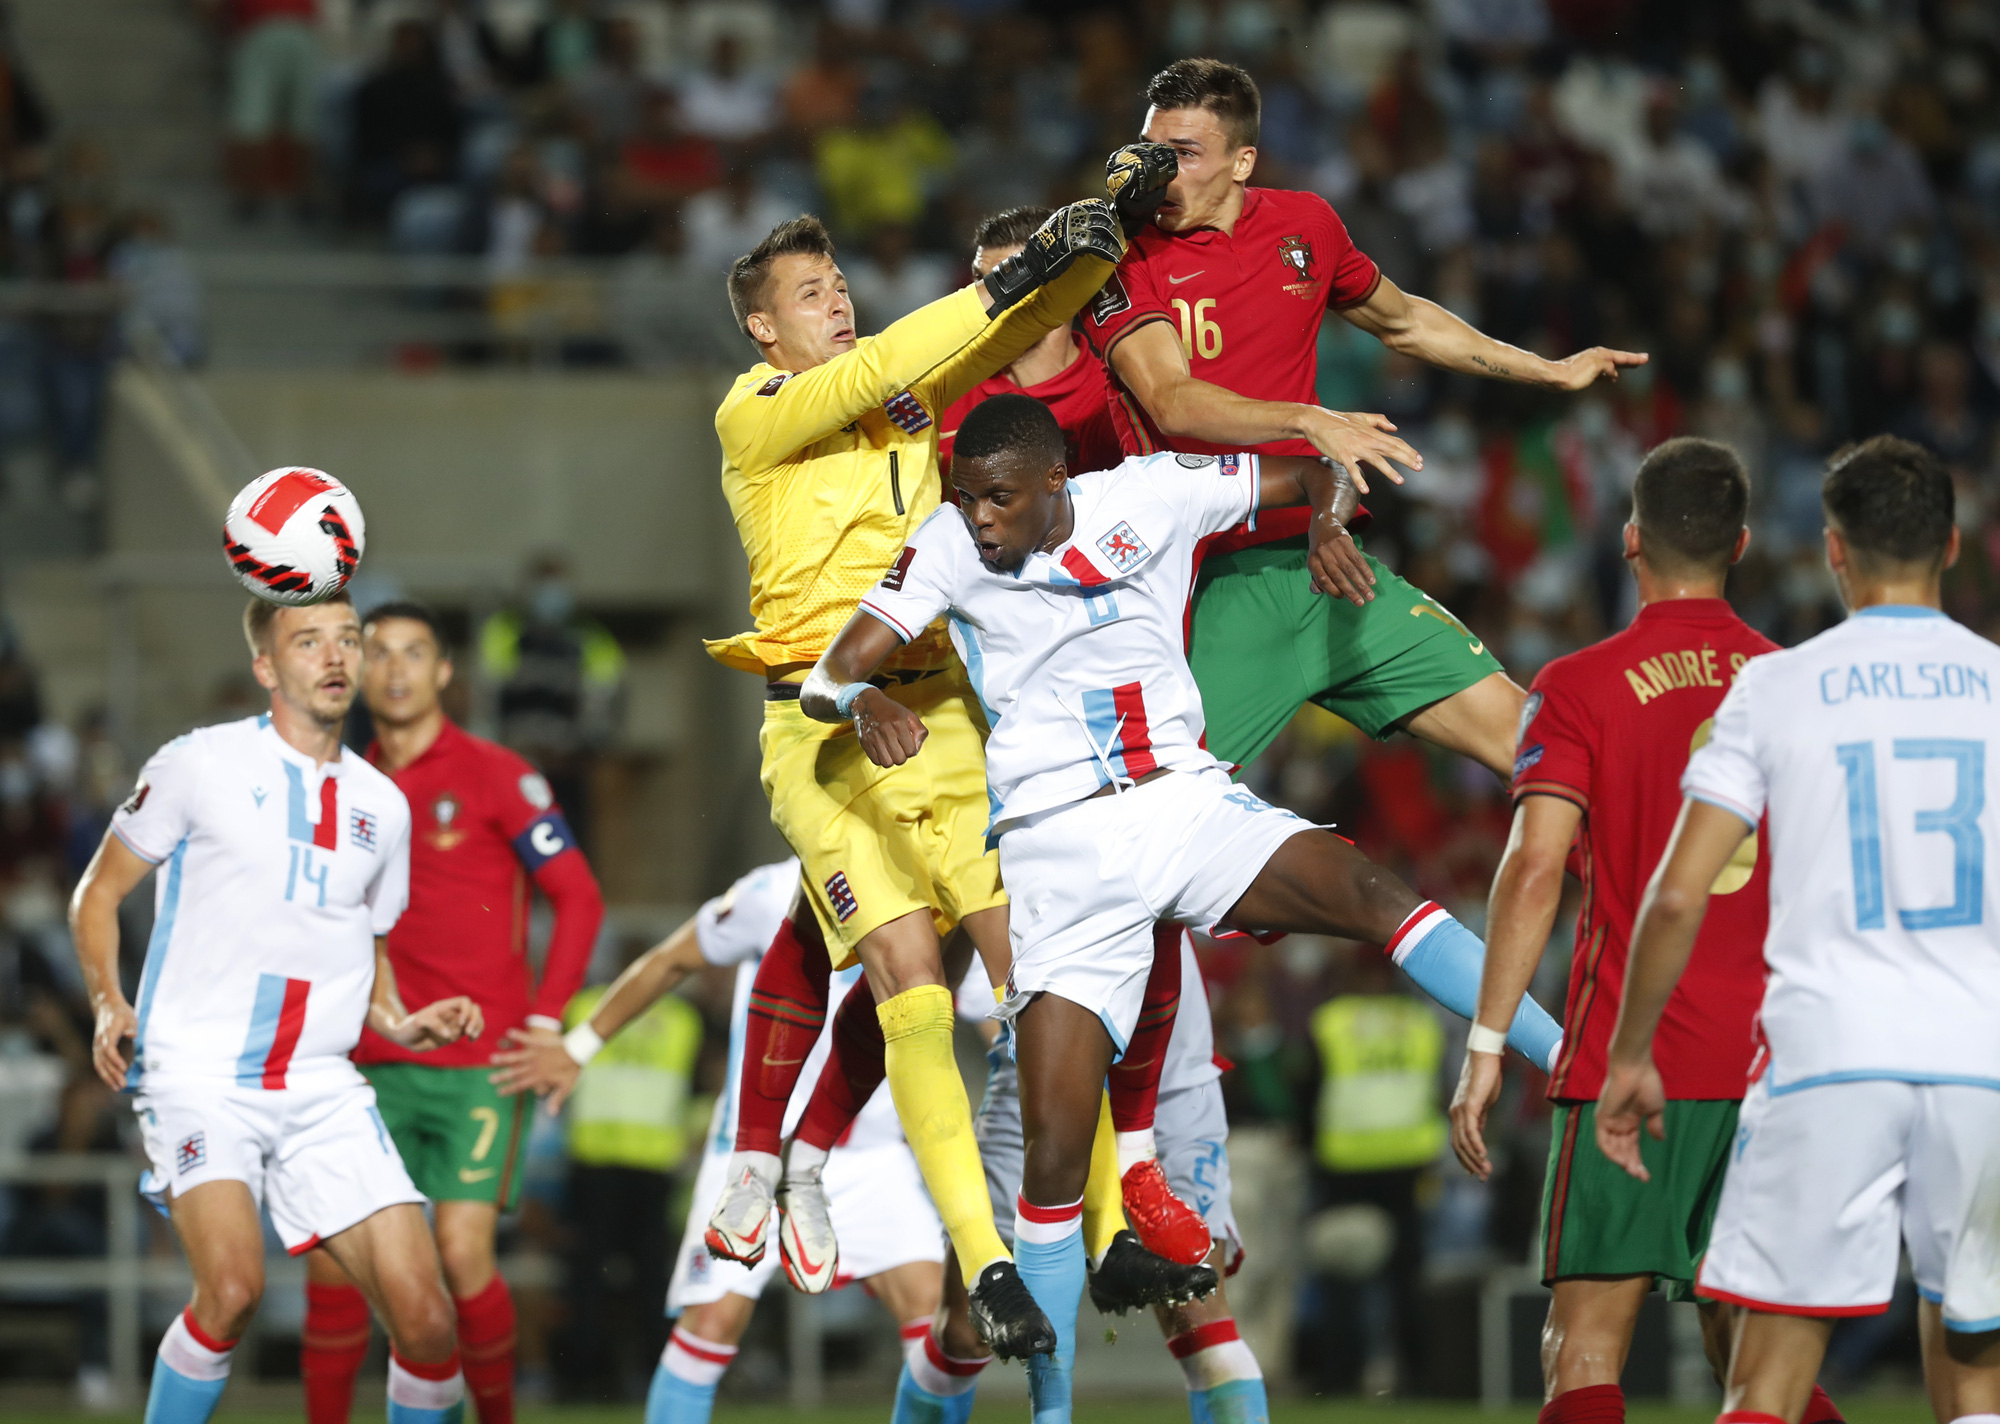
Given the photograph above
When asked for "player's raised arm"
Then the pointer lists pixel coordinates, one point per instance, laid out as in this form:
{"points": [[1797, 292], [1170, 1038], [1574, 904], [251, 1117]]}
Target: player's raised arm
{"points": [[1338, 567], [112, 874], [1151, 363], [1520, 914], [1419, 327], [540, 1060], [837, 689], [1670, 916]]}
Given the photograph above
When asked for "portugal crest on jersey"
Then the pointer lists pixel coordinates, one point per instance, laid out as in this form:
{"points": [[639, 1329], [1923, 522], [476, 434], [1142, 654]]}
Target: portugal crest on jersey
{"points": [[444, 811], [1296, 253]]}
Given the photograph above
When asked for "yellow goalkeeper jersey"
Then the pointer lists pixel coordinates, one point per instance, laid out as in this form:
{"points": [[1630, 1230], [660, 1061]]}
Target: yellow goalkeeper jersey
{"points": [[828, 471]]}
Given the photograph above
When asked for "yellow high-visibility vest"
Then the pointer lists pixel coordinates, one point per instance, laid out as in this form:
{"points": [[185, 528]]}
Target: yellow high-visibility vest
{"points": [[630, 1107], [1378, 1102]]}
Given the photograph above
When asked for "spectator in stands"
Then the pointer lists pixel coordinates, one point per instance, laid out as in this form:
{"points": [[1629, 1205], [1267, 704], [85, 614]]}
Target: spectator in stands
{"points": [[163, 298], [724, 223], [1873, 185], [662, 164], [274, 68], [888, 280], [1671, 179], [885, 166], [725, 102], [407, 121], [825, 91], [561, 46], [473, 53], [667, 309], [612, 93], [24, 118]]}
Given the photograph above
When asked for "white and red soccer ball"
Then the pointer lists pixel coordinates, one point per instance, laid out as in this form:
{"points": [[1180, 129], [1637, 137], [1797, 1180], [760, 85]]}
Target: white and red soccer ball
{"points": [[294, 535]]}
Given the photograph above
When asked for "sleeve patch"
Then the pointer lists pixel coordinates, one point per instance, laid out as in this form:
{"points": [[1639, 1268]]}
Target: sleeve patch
{"points": [[535, 791], [907, 413], [546, 837], [1526, 760], [893, 580], [770, 387], [1229, 464], [1111, 299], [1194, 462], [1528, 710], [137, 798]]}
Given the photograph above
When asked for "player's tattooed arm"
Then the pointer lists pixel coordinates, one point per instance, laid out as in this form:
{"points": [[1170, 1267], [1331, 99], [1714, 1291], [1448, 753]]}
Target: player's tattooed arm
{"points": [[538, 1060], [1338, 567], [112, 874], [1416, 326], [1670, 916], [836, 691], [433, 1026]]}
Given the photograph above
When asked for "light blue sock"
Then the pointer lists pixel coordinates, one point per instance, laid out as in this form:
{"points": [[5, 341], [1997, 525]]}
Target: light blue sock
{"points": [[1053, 1271], [1445, 959], [188, 1377], [672, 1400], [176, 1399], [1231, 1402], [917, 1405], [413, 1399]]}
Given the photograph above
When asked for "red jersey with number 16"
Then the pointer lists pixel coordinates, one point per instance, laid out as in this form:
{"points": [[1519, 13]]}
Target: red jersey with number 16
{"points": [[1248, 306], [1610, 729], [482, 825]]}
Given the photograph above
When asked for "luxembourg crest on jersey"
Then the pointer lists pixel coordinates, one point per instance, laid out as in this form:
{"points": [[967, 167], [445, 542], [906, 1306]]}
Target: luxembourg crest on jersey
{"points": [[1124, 548]]}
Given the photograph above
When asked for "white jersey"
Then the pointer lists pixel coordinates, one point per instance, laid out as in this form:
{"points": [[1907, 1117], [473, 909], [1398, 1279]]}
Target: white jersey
{"points": [[1868, 746], [275, 877], [736, 927], [1078, 658]]}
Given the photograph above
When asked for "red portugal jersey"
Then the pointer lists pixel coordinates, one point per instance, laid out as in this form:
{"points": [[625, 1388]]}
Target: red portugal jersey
{"points": [[1079, 399], [482, 824], [1248, 306], [1611, 728]]}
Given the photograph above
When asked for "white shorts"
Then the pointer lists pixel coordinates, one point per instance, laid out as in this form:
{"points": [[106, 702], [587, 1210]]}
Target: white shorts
{"points": [[1826, 1182], [316, 1156], [882, 1218], [1088, 882]]}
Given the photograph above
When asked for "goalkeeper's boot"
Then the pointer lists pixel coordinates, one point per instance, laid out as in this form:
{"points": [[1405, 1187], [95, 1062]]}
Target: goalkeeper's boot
{"points": [[806, 1243], [1006, 1316], [1130, 1277], [740, 1227], [1164, 1224]]}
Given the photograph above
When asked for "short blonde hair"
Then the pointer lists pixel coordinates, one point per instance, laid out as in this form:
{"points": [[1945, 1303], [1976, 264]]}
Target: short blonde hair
{"points": [[261, 613]]}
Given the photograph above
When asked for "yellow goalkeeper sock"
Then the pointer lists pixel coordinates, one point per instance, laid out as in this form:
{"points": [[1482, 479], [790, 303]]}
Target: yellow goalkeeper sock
{"points": [[937, 1120], [1103, 1195]]}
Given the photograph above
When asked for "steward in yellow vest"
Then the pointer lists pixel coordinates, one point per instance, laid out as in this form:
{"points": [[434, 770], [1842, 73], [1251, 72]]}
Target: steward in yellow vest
{"points": [[1378, 1098], [630, 1106]]}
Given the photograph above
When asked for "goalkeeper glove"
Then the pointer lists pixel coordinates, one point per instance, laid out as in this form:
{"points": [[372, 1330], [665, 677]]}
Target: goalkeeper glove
{"points": [[1087, 227], [1136, 176]]}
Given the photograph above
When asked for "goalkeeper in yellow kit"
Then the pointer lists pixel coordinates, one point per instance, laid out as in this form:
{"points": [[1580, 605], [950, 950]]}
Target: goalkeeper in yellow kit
{"points": [[829, 463]]}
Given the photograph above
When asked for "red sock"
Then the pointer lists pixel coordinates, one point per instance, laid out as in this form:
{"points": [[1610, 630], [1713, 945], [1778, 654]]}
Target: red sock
{"points": [[331, 1347], [1746, 1416], [787, 1010], [1820, 1409], [486, 1350], [854, 1070], [1135, 1079], [1593, 1404]]}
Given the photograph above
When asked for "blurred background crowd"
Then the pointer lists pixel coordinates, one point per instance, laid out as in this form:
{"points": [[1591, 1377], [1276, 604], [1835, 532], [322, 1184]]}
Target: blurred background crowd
{"points": [[1794, 205]]}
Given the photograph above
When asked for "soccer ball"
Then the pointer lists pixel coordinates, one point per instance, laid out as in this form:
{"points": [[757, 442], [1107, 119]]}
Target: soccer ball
{"points": [[294, 535]]}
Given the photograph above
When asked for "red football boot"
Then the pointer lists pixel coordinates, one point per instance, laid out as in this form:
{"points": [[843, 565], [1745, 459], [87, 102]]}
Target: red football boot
{"points": [[1164, 1224]]}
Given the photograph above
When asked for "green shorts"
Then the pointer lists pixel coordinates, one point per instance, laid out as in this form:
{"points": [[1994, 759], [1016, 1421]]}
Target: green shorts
{"points": [[1599, 1221], [1264, 644], [460, 1140]]}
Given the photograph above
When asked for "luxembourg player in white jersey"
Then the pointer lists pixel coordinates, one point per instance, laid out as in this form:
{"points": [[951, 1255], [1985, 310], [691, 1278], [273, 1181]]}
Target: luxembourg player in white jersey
{"points": [[1065, 599], [1873, 1125], [283, 861], [889, 1233]]}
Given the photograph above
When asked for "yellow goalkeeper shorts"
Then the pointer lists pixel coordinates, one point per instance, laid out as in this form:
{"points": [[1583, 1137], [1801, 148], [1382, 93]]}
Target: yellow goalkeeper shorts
{"points": [[877, 842]]}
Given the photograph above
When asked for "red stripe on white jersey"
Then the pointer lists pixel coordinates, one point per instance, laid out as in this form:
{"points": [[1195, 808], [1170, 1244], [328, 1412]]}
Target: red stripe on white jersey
{"points": [[1135, 739]]}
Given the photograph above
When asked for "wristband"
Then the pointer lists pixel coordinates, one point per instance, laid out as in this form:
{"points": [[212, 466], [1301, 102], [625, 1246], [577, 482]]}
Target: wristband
{"points": [[582, 1043], [544, 1021], [1482, 1039], [843, 700]]}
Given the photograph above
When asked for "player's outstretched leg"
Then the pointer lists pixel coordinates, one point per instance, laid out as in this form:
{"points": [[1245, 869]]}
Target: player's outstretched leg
{"points": [[224, 1241], [855, 1067], [1225, 1384], [788, 1002], [333, 1342], [1164, 1224], [698, 1353], [392, 1258], [1316, 883], [941, 1366]]}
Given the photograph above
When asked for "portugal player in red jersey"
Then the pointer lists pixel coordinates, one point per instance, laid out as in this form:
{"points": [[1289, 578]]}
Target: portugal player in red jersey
{"points": [[1209, 330], [1605, 736], [483, 825], [1058, 370]]}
